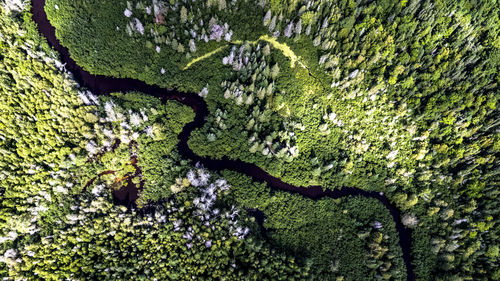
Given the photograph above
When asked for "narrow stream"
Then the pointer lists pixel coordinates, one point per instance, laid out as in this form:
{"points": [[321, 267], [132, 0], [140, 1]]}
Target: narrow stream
{"points": [[102, 85]]}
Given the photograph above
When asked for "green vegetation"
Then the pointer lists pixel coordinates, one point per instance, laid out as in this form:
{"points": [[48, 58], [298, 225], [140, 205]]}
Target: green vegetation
{"points": [[137, 128], [182, 240], [57, 216], [399, 97], [351, 238]]}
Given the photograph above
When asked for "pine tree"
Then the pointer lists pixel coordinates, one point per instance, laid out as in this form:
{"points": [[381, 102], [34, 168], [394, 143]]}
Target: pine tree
{"points": [[289, 30], [192, 46], [275, 71], [267, 18], [183, 14], [272, 25], [298, 27], [222, 5]]}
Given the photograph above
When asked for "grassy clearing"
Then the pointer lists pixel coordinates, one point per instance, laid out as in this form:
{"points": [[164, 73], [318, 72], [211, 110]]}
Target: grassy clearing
{"points": [[205, 56]]}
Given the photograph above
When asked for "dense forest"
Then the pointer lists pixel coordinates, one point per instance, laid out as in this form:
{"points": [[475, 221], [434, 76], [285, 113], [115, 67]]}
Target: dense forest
{"points": [[399, 98]]}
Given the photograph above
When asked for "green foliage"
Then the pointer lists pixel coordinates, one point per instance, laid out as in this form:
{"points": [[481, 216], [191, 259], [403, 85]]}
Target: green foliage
{"points": [[98, 240], [352, 238], [41, 130], [153, 149], [396, 97], [64, 150]]}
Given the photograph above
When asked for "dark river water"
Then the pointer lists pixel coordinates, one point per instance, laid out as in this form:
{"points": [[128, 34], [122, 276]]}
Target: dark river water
{"points": [[102, 85]]}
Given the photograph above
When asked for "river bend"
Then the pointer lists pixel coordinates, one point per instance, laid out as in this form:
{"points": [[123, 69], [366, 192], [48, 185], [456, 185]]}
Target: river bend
{"points": [[102, 85]]}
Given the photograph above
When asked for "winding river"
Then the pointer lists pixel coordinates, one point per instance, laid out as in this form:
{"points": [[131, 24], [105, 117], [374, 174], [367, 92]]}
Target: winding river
{"points": [[102, 85]]}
